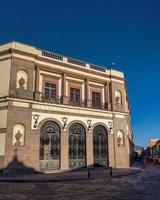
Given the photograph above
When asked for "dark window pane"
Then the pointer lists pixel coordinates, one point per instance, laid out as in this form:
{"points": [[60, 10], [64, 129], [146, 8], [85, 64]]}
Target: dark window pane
{"points": [[50, 90], [96, 99], [74, 95]]}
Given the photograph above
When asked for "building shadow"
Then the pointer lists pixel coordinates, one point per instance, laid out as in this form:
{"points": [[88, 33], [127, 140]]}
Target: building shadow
{"points": [[16, 167]]}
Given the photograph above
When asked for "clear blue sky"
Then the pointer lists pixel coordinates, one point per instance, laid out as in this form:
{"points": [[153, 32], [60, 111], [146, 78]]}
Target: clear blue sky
{"points": [[99, 31]]}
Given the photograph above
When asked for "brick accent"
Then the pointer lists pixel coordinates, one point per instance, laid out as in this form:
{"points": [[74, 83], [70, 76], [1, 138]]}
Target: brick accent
{"points": [[28, 66], [64, 151], [121, 153], [24, 154], [118, 86], [89, 149]]}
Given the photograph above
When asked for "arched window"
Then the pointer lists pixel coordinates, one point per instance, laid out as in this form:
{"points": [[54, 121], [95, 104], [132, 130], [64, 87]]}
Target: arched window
{"points": [[100, 146], [77, 146], [22, 80], [120, 138], [118, 97], [18, 135], [49, 146]]}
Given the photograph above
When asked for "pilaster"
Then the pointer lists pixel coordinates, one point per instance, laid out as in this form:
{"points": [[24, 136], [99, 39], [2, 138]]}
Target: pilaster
{"points": [[89, 150], [64, 151], [37, 77], [64, 89]]}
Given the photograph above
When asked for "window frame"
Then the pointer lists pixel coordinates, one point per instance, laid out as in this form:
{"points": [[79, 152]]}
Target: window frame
{"points": [[75, 95], [96, 103]]}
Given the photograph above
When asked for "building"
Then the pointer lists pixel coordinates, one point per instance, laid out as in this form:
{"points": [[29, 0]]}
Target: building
{"points": [[59, 113], [137, 152], [154, 146], [158, 147]]}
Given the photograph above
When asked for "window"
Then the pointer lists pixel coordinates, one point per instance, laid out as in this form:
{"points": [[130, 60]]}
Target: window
{"points": [[50, 91], [75, 96], [96, 99]]}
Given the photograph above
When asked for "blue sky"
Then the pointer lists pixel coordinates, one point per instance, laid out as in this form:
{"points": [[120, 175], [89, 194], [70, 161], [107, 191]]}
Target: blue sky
{"points": [[101, 32]]}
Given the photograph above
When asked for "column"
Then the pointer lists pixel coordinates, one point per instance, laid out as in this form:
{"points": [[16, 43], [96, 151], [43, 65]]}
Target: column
{"points": [[89, 149], [64, 159], [107, 96], [37, 77], [87, 91], [64, 89]]}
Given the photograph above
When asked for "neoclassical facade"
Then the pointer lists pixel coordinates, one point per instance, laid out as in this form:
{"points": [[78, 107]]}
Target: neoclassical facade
{"points": [[60, 113]]}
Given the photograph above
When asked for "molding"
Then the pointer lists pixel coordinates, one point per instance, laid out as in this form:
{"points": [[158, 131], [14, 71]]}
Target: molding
{"points": [[70, 114], [3, 107], [66, 106], [3, 130], [68, 65]]}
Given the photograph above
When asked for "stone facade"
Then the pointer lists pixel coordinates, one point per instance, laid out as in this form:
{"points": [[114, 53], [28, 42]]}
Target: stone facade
{"points": [[48, 98]]}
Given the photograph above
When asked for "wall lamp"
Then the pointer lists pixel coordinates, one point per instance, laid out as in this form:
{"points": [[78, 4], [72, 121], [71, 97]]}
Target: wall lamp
{"points": [[36, 118], [89, 122], [64, 119], [110, 127]]}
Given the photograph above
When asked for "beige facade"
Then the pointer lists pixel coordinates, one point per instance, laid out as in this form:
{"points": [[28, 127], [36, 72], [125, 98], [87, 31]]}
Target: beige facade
{"points": [[59, 113]]}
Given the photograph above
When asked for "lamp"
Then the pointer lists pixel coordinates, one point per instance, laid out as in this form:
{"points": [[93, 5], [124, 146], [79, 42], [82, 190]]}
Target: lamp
{"points": [[64, 119], [89, 122], [36, 118], [110, 127]]}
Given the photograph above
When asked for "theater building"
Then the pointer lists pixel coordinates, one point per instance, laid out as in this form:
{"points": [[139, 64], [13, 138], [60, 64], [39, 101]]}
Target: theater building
{"points": [[60, 113]]}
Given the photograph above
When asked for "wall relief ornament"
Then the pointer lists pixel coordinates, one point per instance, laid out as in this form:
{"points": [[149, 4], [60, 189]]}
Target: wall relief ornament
{"points": [[18, 135], [22, 80], [21, 83]]}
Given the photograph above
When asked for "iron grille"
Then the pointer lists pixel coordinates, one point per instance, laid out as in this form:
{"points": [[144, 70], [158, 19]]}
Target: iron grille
{"points": [[49, 146], [77, 146], [100, 146]]}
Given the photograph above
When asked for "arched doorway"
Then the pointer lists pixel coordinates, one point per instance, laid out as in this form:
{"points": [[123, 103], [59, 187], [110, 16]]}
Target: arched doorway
{"points": [[100, 146], [49, 146], [77, 146]]}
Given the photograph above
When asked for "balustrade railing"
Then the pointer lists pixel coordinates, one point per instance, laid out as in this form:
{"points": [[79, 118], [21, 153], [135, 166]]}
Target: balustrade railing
{"points": [[80, 103], [54, 99]]}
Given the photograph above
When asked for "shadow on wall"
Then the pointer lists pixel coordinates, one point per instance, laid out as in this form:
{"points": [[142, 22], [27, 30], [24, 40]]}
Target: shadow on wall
{"points": [[16, 167]]}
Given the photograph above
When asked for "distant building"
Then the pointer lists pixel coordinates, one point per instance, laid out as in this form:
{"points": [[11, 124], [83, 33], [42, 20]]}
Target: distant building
{"points": [[153, 146], [59, 113], [138, 150]]}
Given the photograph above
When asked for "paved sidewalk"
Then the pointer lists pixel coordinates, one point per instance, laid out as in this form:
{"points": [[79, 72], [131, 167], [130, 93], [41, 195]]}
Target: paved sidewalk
{"points": [[130, 184]]}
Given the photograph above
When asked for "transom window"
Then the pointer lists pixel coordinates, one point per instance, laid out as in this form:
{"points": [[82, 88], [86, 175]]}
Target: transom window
{"points": [[96, 99], [75, 96], [50, 90]]}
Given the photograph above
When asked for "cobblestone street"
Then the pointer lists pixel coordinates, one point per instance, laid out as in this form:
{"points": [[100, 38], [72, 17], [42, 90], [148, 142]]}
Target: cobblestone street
{"points": [[138, 186]]}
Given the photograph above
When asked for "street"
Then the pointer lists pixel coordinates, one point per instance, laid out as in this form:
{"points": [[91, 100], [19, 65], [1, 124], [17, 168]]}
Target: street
{"points": [[139, 186]]}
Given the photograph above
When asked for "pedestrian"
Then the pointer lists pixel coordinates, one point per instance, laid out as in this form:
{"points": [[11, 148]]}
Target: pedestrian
{"points": [[154, 161], [145, 162]]}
